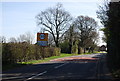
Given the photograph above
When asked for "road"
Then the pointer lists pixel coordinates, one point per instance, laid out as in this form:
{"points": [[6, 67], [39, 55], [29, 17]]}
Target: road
{"points": [[73, 68]]}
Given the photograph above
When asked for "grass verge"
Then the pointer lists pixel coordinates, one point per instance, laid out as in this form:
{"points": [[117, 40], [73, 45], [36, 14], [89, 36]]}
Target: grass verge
{"points": [[19, 64], [47, 59]]}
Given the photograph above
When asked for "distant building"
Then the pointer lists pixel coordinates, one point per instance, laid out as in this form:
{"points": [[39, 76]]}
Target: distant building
{"points": [[115, 1], [103, 48]]}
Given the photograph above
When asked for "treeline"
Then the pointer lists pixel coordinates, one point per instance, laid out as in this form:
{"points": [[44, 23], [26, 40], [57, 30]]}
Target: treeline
{"points": [[22, 52], [109, 14], [113, 33], [72, 35]]}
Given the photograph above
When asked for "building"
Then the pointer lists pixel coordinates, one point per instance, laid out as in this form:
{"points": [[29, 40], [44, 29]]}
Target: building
{"points": [[103, 48]]}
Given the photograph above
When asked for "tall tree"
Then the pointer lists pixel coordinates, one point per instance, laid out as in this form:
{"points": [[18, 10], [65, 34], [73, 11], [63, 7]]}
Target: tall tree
{"points": [[50, 40], [86, 25], [55, 21], [113, 40], [102, 14], [112, 23], [68, 38], [104, 38]]}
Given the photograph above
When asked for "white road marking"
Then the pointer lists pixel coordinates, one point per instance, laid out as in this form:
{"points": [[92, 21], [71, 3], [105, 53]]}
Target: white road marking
{"points": [[60, 65], [44, 72], [13, 77], [36, 75]]}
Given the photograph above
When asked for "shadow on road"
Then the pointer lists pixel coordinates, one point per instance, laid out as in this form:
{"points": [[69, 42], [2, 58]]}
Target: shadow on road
{"points": [[63, 69]]}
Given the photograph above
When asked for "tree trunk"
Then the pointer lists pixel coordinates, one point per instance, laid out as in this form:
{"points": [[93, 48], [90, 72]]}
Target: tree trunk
{"points": [[56, 44], [84, 50], [70, 48]]}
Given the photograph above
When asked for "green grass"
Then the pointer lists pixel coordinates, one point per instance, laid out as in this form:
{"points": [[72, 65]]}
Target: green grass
{"points": [[47, 59], [102, 52], [19, 64]]}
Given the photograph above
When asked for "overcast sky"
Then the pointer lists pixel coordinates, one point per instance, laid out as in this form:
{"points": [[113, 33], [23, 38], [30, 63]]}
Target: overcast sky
{"points": [[18, 16]]}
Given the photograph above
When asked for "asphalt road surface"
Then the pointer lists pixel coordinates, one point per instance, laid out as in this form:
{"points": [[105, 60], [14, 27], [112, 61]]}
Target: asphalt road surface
{"points": [[73, 68]]}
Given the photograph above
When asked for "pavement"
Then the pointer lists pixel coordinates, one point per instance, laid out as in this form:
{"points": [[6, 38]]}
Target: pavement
{"points": [[74, 68]]}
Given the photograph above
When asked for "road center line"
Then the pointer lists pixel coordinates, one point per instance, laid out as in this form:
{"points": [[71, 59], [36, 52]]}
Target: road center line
{"points": [[60, 65], [36, 75]]}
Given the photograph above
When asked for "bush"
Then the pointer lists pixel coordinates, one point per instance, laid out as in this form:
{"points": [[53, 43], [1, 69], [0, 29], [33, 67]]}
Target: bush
{"points": [[65, 47], [22, 52]]}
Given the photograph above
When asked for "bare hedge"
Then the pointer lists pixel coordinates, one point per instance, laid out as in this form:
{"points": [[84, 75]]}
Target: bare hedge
{"points": [[22, 52]]}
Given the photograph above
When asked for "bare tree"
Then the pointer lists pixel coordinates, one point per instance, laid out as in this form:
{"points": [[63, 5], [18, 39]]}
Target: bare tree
{"points": [[21, 38], [55, 21], [2, 39], [27, 37], [12, 40], [42, 30], [86, 25], [102, 13], [50, 40], [92, 41]]}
